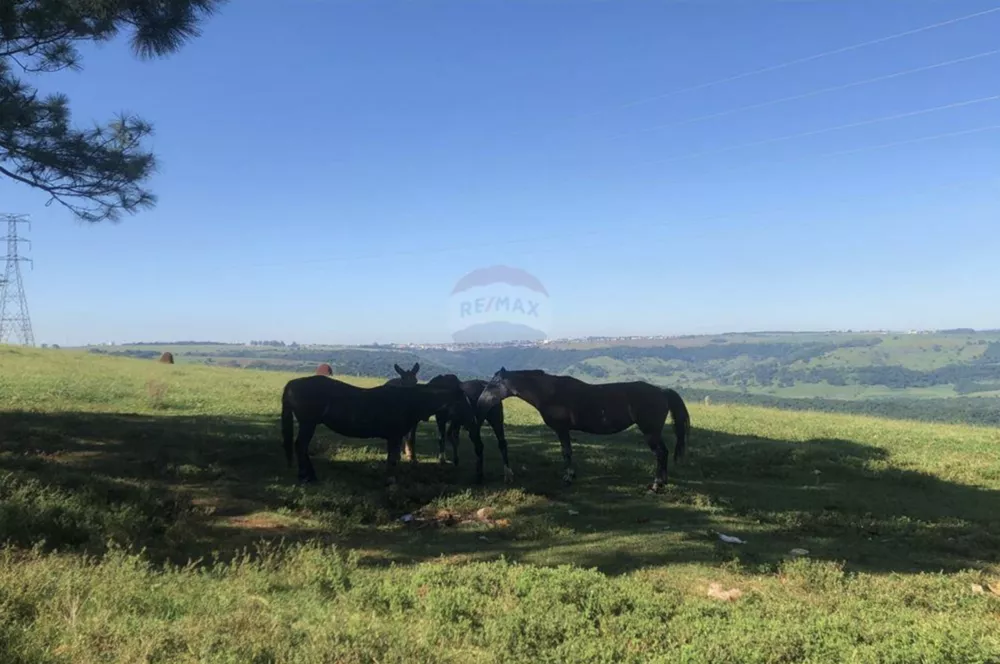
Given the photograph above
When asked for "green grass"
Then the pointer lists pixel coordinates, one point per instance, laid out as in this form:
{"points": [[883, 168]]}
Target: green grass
{"points": [[149, 516]]}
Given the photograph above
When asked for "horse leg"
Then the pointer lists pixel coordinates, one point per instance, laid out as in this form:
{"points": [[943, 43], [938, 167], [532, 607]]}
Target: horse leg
{"points": [[655, 442], [495, 418], [569, 473], [454, 433], [442, 423], [392, 449], [411, 440], [306, 471], [477, 443]]}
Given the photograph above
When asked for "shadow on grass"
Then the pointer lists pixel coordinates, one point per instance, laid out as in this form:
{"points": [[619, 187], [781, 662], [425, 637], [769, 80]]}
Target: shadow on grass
{"points": [[198, 487]]}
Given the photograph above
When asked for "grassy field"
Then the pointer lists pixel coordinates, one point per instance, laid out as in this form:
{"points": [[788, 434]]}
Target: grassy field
{"points": [[149, 517]]}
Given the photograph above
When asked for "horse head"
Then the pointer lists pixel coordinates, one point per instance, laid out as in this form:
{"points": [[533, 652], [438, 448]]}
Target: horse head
{"points": [[496, 390], [407, 377]]}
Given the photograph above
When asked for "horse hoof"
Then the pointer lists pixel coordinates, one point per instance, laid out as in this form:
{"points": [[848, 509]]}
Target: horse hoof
{"points": [[508, 474]]}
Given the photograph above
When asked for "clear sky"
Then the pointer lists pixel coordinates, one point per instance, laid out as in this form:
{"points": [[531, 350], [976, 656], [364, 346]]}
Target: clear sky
{"points": [[331, 168]]}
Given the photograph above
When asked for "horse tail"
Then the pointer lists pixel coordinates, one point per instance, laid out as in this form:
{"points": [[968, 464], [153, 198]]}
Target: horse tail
{"points": [[287, 423], [682, 420]]}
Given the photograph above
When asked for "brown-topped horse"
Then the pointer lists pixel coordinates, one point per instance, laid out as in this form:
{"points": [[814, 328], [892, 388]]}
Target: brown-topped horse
{"points": [[569, 404]]}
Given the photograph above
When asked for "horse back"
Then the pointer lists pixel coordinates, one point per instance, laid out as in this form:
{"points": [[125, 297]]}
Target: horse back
{"points": [[605, 405], [473, 388], [309, 396]]}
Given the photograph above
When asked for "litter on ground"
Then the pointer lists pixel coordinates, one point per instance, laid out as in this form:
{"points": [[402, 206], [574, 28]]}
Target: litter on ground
{"points": [[730, 539]]}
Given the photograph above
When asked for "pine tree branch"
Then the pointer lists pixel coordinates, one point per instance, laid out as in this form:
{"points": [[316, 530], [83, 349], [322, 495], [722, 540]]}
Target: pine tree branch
{"points": [[98, 173]]}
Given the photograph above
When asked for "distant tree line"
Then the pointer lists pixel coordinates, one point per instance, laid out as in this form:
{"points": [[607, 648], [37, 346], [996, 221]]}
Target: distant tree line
{"points": [[485, 361], [968, 376], [178, 343], [129, 352]]}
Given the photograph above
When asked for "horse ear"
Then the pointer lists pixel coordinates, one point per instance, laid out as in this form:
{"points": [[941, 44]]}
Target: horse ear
{"points": [[416, 367], [399, 369]]}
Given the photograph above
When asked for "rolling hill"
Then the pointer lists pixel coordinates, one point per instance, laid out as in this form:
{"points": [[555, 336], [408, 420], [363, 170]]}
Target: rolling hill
{"points": [[951, 375]]}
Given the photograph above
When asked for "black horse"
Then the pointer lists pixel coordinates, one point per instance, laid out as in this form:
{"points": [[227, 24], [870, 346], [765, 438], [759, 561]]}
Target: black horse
{"points": [[386, 412], [407, 379], [568, 404], [455, 418]]}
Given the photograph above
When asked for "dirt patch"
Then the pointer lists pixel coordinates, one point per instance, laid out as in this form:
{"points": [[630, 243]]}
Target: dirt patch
{"points": [[226, 507], [265, 523], [70, 458], [716, 591], [449, 518], [256, 522]]}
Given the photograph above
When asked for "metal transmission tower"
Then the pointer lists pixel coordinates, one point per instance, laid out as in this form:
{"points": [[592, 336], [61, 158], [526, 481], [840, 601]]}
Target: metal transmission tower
{"points": [[14, 319]]}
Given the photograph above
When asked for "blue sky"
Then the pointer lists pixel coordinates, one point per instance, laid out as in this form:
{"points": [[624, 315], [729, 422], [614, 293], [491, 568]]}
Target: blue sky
{"points": [[330, 170]]}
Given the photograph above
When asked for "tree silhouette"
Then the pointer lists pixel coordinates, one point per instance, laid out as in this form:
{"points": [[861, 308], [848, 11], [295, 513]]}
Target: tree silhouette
{"points": [[101, 171]]}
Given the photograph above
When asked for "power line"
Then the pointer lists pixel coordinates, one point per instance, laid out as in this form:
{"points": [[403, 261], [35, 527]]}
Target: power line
{"points": [[811, 93], [14, 325], [789, 63], [825, 130], [919, 139], [863, 148]]}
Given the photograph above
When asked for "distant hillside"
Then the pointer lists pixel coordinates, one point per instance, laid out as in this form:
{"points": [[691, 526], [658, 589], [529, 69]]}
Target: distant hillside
{"points": [[955, 374]]}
